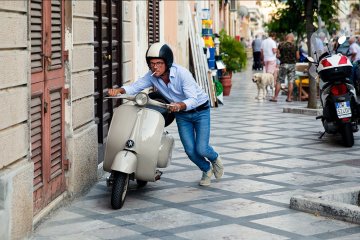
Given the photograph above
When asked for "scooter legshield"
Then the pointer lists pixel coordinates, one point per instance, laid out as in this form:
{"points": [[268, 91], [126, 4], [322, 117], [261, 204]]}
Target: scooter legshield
{"points": [[124, 161]]}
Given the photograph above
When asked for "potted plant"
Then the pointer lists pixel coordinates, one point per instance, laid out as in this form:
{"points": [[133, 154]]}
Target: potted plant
{"points": [[233, 54]]}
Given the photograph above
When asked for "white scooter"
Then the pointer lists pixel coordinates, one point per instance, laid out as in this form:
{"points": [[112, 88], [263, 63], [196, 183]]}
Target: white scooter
{"points": [[137, 145]]}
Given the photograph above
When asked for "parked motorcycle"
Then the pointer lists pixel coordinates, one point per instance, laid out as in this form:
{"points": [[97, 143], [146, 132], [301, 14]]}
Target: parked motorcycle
{"points": [[137, 145], [337, 94]]}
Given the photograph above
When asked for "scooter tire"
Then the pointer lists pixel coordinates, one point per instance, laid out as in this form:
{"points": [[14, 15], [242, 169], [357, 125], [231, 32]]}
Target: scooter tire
{"points": [[347, 135], [119, 189]]}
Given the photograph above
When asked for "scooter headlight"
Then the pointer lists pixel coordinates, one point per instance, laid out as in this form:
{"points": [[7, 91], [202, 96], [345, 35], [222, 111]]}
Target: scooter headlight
{"points": [[141, 99]]}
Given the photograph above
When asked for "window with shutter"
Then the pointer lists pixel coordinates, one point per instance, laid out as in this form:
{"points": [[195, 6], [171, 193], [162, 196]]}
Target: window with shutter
{"points": [[153, 21], [36, 139], [56, 32], [107, 60], [47, 100], [36, 36], [232, 5], [56, 133]]}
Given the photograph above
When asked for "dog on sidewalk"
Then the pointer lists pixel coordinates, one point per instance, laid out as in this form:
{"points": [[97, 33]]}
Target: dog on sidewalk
{"points": [[263, 80]]}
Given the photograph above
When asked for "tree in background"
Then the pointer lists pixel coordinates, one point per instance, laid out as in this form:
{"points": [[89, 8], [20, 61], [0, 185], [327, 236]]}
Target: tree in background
{"points": [[301, 17]]}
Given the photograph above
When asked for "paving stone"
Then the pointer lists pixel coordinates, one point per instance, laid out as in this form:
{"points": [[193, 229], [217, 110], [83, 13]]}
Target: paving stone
{"points": [[303, 224], [269, 157], [232, 231]]}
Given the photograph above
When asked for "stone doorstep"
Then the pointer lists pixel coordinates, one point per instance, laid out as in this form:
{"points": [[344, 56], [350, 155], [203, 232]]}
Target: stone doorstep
{"points": [[303, 110], [341, 204]]}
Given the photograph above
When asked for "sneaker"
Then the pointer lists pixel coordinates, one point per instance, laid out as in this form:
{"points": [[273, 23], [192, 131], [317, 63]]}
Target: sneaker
{"points": [[218, 168], [206, 178]]}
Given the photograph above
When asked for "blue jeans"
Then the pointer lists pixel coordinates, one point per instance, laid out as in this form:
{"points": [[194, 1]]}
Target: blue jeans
{"points": [[194, 131], [355, 75]]}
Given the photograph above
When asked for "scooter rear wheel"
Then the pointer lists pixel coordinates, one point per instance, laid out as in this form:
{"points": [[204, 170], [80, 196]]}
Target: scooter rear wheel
{"points": [[119, 189], [347, 135]]}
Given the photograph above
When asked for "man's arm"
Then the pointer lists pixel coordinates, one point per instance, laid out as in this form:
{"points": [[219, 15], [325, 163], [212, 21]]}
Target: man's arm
{"points": [[274, 50], [352, 53]]}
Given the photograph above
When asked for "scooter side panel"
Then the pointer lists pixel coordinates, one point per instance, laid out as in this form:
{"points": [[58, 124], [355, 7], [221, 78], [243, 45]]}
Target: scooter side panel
{"points": [[147, 145], [120, 129], [165, 150]]}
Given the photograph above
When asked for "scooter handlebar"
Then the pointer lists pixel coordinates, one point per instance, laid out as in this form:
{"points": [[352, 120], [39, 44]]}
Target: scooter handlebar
{"points": [[123, 96], [133, 98], [158, 104]]}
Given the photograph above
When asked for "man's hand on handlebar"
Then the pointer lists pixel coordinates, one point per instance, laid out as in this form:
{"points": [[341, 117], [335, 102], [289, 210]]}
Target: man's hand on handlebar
{"points": [[113, 92], [175, 107]]}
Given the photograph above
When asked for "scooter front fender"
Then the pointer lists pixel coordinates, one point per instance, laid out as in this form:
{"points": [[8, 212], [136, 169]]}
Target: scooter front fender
{"points": [[124, 161]]}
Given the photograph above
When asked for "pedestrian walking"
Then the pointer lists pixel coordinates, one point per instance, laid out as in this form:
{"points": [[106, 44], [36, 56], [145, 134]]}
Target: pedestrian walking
{"points": [[256, 47], [268, 53], [288, 55], [189, 103], [354, 51]]}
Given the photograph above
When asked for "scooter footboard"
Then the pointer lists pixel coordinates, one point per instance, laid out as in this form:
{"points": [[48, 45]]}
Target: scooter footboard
{"points": [[124, 161]]}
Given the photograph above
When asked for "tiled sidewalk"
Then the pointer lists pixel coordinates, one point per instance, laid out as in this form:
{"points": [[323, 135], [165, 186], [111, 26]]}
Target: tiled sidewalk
{"points": [[268, 155]]}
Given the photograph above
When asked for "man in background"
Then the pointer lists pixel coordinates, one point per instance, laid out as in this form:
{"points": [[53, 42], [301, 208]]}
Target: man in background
{"points": [[354, 51], [256, 47], [288, 55], [268, 54]]}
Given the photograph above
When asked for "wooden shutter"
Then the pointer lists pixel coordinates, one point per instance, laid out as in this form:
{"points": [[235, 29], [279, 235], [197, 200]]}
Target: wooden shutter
{"points": [[47, 100], [37, 138], [107, 60], [56, 34], [56, 134], [37, 63], [153, 21]]}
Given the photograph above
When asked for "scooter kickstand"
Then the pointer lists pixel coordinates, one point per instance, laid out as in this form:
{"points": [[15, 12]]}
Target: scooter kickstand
{"points": [[322, 134]]}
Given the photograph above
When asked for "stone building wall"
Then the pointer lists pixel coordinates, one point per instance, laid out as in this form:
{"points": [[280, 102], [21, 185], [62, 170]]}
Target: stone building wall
{"points": [[16, 169]]}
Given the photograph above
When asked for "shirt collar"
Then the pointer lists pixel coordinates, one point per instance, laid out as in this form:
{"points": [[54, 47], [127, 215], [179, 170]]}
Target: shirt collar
{"points": [[172, 72]]}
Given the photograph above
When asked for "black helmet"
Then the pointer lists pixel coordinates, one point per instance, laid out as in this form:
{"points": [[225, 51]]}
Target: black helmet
{"points": [[160, 50]]}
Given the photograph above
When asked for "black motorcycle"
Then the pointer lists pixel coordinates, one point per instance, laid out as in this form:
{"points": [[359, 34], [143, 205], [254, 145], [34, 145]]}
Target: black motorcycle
{"points": [[337, 94]]}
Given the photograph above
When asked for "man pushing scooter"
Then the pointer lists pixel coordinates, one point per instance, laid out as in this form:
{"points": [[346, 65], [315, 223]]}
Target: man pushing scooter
{"points": [[189, 103]]}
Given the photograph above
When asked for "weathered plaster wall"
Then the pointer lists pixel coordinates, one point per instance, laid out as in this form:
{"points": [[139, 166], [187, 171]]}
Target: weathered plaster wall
{"points": [[81, 129], [140, 36]]}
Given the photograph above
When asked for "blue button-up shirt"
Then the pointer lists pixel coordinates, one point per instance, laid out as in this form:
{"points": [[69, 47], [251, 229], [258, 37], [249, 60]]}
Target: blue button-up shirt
{"points": [[181, 88]]}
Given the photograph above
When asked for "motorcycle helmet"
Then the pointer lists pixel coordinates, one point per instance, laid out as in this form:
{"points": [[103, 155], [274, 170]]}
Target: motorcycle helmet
{"points": [[160, 50]]}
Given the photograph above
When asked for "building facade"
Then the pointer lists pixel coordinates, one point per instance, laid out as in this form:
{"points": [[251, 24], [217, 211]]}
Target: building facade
{"points": [[59, 58]]}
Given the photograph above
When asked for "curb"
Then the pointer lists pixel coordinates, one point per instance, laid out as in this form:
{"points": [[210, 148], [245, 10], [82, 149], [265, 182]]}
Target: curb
{"points": [[342, 204], [303, 110]]}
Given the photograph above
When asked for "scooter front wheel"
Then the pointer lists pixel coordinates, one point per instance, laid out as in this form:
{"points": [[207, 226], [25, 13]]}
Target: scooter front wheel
{"points": [[119, 189]]}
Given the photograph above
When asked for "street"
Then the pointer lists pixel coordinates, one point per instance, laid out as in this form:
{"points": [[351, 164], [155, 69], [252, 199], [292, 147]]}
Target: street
{"points": [[268, 155]]}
